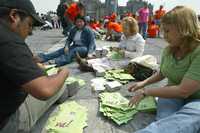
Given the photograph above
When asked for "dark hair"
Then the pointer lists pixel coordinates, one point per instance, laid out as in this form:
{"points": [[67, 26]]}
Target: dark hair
{"points": [[80, 17]]}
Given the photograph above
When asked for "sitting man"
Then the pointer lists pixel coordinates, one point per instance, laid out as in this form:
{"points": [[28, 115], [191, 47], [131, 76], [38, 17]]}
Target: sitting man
{"points": [[26, 91], [81, 40]]}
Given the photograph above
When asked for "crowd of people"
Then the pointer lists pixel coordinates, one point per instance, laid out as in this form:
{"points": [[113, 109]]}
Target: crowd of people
{"points": [[27, 92]]}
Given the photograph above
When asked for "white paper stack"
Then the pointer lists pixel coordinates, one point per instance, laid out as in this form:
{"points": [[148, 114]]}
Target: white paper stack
{"points": [[98, 84], [99, 71], [113, 86]]}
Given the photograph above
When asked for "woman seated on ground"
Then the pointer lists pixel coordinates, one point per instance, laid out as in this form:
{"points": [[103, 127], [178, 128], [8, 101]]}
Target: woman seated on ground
{"points": [[132, 44], [178, 108], [80, 40]]}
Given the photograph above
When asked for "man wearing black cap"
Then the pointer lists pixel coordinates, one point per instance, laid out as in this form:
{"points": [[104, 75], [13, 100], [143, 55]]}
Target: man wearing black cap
{"points": [[24, 86]]}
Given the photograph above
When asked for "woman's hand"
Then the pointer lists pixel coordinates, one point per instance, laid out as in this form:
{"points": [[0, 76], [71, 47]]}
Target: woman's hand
{"points": [[136, 86], [138, 96], [66, 50], [122, 52]]}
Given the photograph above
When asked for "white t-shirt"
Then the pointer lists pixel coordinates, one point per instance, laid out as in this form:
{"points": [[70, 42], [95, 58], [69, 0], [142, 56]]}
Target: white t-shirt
{"points": [[133, 45], [77, 38]]}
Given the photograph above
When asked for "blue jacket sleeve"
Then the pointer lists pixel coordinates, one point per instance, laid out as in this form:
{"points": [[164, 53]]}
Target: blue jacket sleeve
{"points": [[91, 45]]}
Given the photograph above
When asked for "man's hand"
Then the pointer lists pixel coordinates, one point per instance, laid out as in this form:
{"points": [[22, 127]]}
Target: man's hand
{"points": [[63, 70], [42, 66]]}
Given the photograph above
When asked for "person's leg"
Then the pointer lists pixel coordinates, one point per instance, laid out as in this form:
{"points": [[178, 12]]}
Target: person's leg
{"points": [[140, 28], [166, 107], [32, 109], [144, 30], [67, 58], [186, 120], [29, 112], [12, 124], [52, 55]]}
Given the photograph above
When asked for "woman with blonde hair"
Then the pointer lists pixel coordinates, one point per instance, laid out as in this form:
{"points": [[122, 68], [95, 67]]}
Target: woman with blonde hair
{"points": [[178, 108], [132, 42]]}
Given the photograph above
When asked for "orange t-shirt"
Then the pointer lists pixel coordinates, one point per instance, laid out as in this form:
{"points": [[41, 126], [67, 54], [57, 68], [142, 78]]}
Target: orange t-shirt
{"points": [[98, 25], [159, 13], [113, 17], [115, 26], [93, 26], [153, 30], [72, 11]]}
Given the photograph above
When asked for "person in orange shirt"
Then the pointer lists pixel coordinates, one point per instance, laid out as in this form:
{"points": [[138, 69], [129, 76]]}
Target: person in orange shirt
{"points": [[113, 17], [153, 30], [114, 31], [71, 13], [158, 14]]}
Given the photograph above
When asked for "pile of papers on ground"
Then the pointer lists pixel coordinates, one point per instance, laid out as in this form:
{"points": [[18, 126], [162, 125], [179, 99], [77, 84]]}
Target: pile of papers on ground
{"points": [[100, 84], [70, 80], [119, 75], [51, 70], [70, 118], [115, 107], [115, 55]]}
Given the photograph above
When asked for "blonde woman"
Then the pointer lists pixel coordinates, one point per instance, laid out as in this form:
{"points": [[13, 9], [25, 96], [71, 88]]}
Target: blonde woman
{"points": [[132, 42], [178, 109]]}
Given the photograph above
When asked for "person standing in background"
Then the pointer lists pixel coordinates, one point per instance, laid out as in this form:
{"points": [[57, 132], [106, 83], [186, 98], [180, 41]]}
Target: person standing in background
{"points": [[143, 17], [158, 15]]}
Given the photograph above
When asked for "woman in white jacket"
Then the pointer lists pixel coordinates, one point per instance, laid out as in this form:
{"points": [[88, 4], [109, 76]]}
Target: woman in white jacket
{"points": [[132, 42]]}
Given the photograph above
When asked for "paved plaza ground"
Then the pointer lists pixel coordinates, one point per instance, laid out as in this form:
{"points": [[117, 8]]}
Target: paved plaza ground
{"points": [[42, 41]]}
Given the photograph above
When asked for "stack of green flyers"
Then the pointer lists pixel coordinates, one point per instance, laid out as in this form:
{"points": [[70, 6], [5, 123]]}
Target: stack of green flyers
{"points": [[70, 118], [148, 104], [115, 107], [51, 70], [114, 55], [119, 75], [70, 80]]}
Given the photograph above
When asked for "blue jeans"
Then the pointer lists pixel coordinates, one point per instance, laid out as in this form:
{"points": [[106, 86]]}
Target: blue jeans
{"points": [[175, 116], [61, 58], [143, 26]]}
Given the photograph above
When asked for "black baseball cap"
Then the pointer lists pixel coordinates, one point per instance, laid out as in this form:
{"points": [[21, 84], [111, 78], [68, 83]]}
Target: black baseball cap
{"points": [[25, 5]]}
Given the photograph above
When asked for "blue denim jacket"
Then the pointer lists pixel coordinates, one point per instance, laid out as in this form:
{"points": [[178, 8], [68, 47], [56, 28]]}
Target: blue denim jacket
{"points": [[87, 38]]}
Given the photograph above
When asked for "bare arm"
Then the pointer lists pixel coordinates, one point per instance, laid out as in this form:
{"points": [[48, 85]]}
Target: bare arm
{"points": [[153, 79], [45, 87], [184, 90]]}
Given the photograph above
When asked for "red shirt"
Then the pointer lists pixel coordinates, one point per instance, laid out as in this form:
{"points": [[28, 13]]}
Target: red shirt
{"points": [[72, 11], [153, 30]]}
